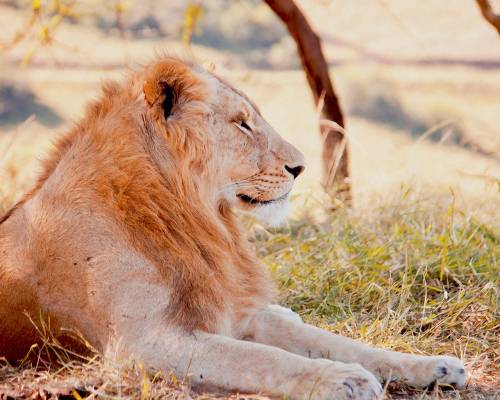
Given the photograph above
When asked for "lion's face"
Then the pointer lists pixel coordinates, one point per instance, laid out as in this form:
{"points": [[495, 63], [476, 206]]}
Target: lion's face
{"points": [[255, 166], [247, 161]]}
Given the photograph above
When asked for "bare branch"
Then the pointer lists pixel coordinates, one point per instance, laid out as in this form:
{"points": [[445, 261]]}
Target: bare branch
{"points": [[488, 14], [335, 154]]}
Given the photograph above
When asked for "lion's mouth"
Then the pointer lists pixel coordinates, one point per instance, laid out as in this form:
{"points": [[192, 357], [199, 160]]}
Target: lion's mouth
{"points": [[253, 201]]}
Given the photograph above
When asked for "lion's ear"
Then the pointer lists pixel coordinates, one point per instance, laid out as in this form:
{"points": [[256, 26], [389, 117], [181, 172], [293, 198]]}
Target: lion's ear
{"points": [[170, 86], [156, 92], [169, 100]]}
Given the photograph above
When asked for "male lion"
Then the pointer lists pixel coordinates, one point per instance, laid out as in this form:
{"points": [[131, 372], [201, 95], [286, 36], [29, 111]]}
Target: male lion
{"points": [[130, 238]]}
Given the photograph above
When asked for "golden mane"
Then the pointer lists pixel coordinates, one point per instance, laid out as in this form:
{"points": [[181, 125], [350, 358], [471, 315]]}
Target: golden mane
{"points": [[154, 189]]}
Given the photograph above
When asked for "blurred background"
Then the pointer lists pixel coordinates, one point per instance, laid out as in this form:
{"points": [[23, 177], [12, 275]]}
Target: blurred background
{"points": [[414, 265], [418, 82]]}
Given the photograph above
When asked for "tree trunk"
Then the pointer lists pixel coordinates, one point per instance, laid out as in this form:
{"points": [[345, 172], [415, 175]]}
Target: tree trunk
{"points": [[335, 151]]}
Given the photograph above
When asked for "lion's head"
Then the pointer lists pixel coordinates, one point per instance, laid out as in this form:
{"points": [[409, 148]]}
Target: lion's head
{"points": [[218, 134]]}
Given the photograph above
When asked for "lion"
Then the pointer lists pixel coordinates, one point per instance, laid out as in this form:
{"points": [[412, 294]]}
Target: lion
{"points": [[130, 237]]}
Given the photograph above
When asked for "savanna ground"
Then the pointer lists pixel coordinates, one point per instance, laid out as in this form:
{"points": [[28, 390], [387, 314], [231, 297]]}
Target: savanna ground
{"points": [[414, 266]]}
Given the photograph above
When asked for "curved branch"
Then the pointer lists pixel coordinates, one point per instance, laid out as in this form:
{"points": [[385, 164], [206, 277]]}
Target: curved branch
{"points": [[335, 152], [488, 14]]}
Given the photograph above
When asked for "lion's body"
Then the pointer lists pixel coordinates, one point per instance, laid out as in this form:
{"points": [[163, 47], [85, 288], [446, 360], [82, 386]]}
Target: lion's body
{"points": [[129, 237], [103, 200]]}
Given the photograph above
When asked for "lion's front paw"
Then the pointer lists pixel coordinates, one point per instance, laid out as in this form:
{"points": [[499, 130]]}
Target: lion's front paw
{"points": [[344, 382], [441, 370]]}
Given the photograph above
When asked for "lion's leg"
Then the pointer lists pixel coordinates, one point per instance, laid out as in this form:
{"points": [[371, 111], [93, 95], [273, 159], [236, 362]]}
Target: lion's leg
{"points": [[278, 327], [215, 361]]}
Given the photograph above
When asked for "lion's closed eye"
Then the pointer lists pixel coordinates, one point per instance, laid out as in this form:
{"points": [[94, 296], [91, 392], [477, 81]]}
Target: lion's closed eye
{"points": [[243, 126]]}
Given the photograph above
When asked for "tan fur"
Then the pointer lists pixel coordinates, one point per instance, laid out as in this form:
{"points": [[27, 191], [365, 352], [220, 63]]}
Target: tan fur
{"points": [[129, 237]]}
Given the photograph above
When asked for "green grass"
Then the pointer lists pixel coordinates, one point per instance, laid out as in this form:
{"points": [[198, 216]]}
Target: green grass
{"points": [[416, 276], [412, 276]]}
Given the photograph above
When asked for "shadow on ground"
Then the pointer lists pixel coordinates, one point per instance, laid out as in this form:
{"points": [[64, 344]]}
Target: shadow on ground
{"points": [[18, 103], [380, 102]]}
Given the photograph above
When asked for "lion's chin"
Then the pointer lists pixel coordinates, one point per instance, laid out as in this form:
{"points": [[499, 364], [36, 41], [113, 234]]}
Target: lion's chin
{"points": [[273, 214]]}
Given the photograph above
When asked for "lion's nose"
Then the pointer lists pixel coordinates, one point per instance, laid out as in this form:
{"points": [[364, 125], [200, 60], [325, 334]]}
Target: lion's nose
{"points": [[295, 171]]}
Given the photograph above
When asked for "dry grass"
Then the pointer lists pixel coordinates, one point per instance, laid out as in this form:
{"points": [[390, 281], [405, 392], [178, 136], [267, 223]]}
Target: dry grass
{"points": [[415, 275]]}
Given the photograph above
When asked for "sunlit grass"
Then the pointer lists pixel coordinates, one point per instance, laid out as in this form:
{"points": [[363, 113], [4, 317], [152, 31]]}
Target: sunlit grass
{"points": [[416, 276]]}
